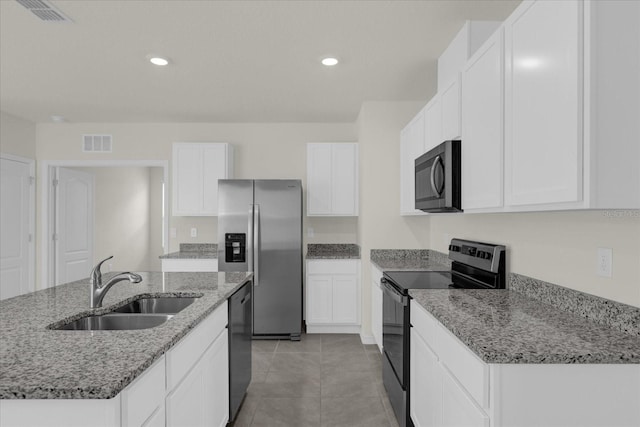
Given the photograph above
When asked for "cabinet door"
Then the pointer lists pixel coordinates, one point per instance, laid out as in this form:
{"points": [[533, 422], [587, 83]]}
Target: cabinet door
{"points": [[450, 100], [432, 123], [214, 159], [319, 179], [543, 104], [426, 384], [458, 408], [345, 299], [482, 134], [319, 299], [376, 313], [202, 398], [187, 179], [344, 186], [411, 147]]}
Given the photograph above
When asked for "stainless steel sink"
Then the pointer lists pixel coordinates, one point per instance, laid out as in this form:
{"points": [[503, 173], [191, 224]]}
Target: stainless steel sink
{"points": [[165, 305], [116, 321]]}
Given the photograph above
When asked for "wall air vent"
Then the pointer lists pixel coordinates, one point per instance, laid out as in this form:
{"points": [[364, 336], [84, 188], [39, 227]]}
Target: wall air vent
{"points": [[45, 10], [96, 143]]}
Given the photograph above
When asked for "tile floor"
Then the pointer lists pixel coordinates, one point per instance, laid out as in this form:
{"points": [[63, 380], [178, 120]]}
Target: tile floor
{"points": [[322, 380]]}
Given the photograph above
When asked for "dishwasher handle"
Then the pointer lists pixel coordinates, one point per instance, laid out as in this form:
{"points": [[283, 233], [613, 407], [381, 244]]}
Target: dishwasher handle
{"points": [[393, 293]]}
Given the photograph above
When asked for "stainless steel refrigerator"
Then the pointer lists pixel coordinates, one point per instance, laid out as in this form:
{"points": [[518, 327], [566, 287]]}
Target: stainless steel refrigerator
{"points": [[260, 230]]}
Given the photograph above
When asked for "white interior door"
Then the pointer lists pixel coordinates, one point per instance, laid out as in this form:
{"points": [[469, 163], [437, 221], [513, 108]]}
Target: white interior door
{"points": [[16, 213], [74, 225]]}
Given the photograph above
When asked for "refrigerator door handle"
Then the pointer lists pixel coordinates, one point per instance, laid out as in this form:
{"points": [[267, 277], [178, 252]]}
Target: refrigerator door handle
{"points": [[250, 239], [256, 245]]}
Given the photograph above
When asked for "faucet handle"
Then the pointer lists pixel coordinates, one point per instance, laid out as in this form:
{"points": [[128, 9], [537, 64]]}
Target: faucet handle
{"points": [[96, 274]]}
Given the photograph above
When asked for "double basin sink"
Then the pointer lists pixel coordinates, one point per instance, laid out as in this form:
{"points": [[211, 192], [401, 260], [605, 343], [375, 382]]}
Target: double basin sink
{"points": [[142, 313]]}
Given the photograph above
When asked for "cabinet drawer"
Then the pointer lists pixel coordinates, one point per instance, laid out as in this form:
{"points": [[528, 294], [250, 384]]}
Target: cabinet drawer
{"points": [[144, 395], [468, 369], [185, 354], [206, 265], [332, 267], [425, 325]]}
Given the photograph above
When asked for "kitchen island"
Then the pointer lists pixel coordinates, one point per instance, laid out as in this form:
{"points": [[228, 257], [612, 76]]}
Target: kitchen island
{"points": [[41, 367]]}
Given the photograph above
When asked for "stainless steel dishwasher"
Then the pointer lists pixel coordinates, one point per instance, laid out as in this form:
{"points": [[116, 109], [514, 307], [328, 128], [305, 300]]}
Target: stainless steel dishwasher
{"points": [[239, 347]]}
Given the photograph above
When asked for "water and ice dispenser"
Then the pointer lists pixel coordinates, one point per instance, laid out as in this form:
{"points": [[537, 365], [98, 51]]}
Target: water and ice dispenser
{"points": [[235, 247]]}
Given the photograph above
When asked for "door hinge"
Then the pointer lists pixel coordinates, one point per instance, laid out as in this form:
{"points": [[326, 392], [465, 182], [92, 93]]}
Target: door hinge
{"points": [[54, 237], [55, 182], [32, 180]]}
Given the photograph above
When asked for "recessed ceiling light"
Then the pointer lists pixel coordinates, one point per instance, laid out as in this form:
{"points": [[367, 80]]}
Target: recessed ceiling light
{"points": [[158, 60], [57, 119], [329, 62]]}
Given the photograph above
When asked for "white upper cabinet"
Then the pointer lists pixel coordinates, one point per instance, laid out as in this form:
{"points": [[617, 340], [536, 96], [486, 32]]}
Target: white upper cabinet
{"points": [[411, 146], [543, 104], [197, 167], [332, 179], [432, 123], [571, 106], [462, 47], [451, 110], [482, 130]]}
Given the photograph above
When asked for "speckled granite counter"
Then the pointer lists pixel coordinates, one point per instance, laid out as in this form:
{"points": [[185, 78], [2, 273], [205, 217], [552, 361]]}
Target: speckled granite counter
{"points": [[194, 251], [503, 326], [39, 363], [409, 259], [333, 251]]}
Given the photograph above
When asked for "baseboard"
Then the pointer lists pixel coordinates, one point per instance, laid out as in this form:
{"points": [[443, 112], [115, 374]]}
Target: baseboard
{"points": [[333, 329], [367, 339]]}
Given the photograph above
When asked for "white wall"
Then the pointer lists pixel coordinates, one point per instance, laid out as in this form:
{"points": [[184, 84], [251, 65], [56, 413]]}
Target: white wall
{"points": [[380, 224], [558, 247], [17, 136], [262, 150]]}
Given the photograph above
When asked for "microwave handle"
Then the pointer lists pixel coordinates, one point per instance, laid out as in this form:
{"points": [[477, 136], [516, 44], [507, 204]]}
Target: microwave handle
{"points": [[437, 160]]}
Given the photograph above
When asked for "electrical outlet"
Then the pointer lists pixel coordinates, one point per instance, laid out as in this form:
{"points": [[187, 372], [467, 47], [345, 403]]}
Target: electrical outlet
{"points": [[173, 233], [310, 232], [604, 262], [194, 232]]}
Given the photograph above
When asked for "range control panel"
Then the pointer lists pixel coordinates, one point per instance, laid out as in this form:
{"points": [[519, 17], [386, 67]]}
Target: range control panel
{"points": [[486, 256]]}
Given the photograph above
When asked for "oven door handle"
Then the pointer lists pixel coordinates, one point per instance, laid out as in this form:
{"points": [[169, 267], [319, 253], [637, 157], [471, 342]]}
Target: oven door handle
{"points": [[390, 291]]}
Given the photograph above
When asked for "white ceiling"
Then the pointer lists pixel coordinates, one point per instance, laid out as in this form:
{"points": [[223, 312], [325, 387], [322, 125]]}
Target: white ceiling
{"points": [[232, 61]]}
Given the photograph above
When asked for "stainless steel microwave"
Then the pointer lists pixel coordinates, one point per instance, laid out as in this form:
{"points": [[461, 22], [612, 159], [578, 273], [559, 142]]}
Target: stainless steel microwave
{"points": [[438, 180]]}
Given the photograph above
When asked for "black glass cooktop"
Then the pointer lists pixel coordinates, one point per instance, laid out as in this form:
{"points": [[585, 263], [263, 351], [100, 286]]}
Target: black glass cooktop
{"points": [[430, 280]]}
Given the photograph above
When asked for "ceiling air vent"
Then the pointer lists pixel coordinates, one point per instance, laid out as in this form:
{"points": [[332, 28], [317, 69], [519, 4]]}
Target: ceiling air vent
{"points": [[44, 10], [96, 143]]}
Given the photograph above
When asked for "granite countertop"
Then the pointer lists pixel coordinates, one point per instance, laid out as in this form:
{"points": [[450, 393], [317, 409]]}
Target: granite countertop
{"points": [[333, 251], [194, 251], [410, 260], [40, 363], [502, 326]]}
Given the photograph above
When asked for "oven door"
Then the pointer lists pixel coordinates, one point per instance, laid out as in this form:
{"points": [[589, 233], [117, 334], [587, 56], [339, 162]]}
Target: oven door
{"points": [[437, 179], [395, 328]]}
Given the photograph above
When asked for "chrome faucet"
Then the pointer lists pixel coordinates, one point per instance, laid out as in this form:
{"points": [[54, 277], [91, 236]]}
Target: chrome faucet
{"points": [[98, 290]]}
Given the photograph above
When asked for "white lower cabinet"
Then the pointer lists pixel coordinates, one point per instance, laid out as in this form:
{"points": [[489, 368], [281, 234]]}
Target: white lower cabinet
{"points": [[376, 306], [196, 400], [187, 386], [333, 296], [451, 386]]}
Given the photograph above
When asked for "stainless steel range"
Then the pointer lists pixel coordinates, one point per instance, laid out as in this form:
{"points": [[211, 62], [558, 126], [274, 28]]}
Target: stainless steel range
{"points": [[474, 265]]}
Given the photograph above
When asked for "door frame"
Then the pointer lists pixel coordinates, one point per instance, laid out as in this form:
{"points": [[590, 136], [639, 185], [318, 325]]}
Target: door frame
{"points": [[31, 282], [46, 169]]}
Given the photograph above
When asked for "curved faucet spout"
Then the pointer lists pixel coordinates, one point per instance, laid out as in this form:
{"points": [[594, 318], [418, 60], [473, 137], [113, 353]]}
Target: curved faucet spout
{"points": [[98, 290]]}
